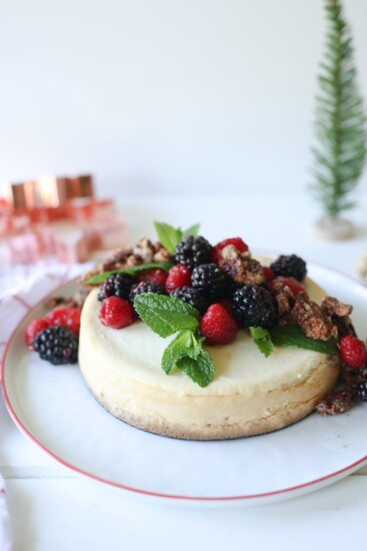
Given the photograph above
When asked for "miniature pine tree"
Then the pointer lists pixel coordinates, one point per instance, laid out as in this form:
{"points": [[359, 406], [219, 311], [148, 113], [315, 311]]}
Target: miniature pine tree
{"points": [[340, 120]]}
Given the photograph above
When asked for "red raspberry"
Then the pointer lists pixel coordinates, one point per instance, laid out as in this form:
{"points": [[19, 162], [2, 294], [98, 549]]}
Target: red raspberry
{"points": [[235, 241], [291, 282], [33, 328], [154, 275], [116, 312], [268, 273], [66, 317], [178, 276], [218, 326], [353, 351]]}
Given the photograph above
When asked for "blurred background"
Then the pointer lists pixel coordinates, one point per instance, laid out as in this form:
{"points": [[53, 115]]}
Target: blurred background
{"points": [[165, 96]]}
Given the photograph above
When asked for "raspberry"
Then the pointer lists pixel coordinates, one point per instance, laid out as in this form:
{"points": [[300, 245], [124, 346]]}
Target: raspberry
{"points": [[235, 241], [353, 351], [294, 285], [192, 251], [58, 345], [268, 273], [178, 276], [290, 265], [116, 285], [218, 326], [145, 287], [254, 306], [189, 295], [33, 328], [116, 312], [66, 317], [210, 280], [154, 275], [362, 391]]}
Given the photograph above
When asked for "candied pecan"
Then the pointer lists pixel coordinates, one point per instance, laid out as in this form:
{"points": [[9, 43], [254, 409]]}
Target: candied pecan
{"points": [[144, 249], [160, 253], [241, 267], [337, 402], [314, 322], [75, 301], [284, 298], [353, 377], [331, 306]]}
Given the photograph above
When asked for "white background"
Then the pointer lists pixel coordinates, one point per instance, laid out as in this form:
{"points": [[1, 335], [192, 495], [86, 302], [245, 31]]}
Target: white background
{"points": [[164, 96]]}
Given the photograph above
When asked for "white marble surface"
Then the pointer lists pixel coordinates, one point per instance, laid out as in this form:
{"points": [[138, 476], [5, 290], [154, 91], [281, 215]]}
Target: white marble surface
{"points": [[53, 509]]}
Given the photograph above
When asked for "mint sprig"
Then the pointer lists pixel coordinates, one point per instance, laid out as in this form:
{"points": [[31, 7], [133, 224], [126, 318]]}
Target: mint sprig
{"points": [[170, 236], [293, 335], [100, 278], [167, 316], [262, 340]]}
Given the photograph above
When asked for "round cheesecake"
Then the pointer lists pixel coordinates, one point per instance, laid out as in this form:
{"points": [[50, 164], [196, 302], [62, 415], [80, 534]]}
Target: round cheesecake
{"points": [[250, 394]]}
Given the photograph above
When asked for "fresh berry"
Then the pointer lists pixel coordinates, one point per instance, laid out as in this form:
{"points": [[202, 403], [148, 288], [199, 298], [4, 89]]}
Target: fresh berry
{"points": [[193, 251], [116, 285], [210, 280], [254, 306], [353, 351], [189, 295], [235, 241], [178, 276], [362, 391], [289, 265], [66, 317], [294, 285], [154, 275], [145, 287], [33, 328], [58, 345], [116, 312], [268, 273], [218, 326]]}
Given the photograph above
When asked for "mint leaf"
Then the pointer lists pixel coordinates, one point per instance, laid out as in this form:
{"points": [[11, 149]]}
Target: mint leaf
{"points": [[192, 230], [292, 335], [200, 369], [168, 235], [166, 315], [262, 340], [184, 344], [100, 278]]}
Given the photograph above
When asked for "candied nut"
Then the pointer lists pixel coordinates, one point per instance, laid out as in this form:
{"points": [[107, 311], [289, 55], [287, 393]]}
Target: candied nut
{"points": [[284, 298], [337, 402], [353, 377], [311, 318], [241, 267], [332, 306], [144, 249], [160, 253]]}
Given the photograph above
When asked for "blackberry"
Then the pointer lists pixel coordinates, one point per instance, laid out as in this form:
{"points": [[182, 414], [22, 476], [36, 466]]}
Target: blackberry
{"points": [[145, 287], [116, 285], [254, 306], [289, 266], [58, 345], [210, 280], [191, 296], [362, 391], [192, 251]]}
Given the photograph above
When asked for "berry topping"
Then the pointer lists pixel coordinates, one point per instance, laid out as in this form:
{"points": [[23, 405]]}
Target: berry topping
{"points": [[192, 251], [33, 328], [218, 326], [268, 273], [189, 295], [116, 285], [116, 312], [353, 351], [295, 286], [58, 345], [154, 275], [145, 287], [362, 391], [235, 241], [178, 276], [210, 280], [66, 317], [289, 265], [254, 306]]}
